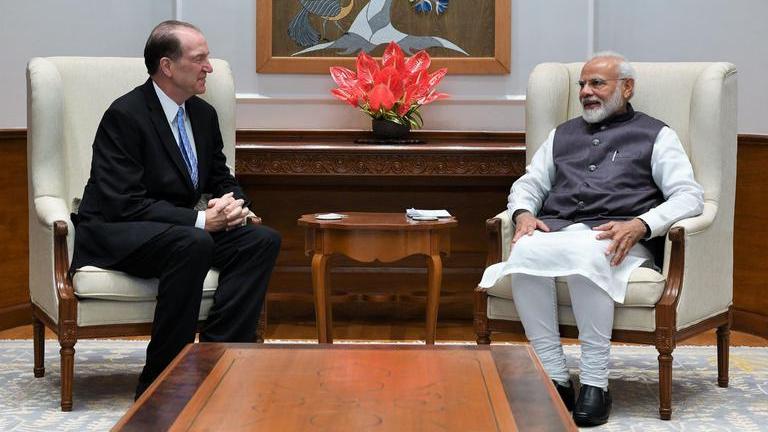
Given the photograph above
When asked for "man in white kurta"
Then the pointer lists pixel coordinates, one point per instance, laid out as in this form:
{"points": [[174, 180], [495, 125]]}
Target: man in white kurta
{"points": [[595, 191]]}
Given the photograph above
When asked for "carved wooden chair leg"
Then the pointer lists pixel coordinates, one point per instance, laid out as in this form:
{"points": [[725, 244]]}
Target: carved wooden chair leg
{"points": [[38, 340], [665, 380], [67, 372], [481, 317], [723, 346]]}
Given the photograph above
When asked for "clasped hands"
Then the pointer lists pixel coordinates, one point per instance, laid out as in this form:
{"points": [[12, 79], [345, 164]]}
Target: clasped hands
{"points": [[225, 213], [624, 234]]}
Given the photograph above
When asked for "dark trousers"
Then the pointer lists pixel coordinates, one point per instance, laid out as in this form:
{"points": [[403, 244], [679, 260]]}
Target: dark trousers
{"points": [[181, 257]]}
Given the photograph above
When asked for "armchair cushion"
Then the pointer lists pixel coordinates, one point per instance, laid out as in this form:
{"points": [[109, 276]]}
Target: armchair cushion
{"points": [[644, 289], [96, 283], [625, 318], [98, 312]]}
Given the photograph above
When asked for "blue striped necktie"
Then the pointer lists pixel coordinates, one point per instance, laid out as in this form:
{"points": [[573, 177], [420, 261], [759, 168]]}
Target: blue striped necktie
{"points": [[186, 148]]}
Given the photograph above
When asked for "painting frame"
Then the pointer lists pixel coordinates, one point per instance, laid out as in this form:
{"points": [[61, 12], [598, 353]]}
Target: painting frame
{"points": [[498, 64]]}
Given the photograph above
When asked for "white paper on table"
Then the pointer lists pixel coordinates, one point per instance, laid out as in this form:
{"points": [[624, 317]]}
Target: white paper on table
{"points": [[412, 213]]}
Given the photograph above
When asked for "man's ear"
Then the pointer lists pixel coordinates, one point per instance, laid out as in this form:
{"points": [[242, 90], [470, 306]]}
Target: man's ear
{"points": [[165, 67], [629, 88]]}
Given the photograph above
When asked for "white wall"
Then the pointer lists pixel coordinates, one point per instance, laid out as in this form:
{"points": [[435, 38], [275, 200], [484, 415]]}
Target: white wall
{"points": [[42, 28], [542, 30]]}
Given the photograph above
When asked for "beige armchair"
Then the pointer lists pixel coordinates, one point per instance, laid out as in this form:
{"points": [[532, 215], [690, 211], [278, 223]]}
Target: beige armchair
{"points": [[66, 97], [694, 291]]}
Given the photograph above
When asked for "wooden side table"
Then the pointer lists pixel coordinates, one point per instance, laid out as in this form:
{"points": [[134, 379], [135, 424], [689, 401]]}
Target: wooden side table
{"points": [[367, 237]]}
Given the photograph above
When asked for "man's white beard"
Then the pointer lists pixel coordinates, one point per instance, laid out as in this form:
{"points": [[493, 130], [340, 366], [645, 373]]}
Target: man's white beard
{"points": [[605, 110]]}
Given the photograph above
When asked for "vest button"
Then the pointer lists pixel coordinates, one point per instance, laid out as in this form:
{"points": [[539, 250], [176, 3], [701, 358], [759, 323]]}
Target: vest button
{"points": [[580, 204], [592, 168], [595, 142], [603, 127]]}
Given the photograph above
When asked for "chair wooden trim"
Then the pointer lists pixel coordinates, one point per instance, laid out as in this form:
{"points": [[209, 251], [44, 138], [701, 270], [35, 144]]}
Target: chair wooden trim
{"points": [[69, 332], [664, 338]]}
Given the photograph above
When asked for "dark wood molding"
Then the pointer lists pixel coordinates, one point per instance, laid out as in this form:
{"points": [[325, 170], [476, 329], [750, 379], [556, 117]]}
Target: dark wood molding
{"points": [[334, 153], [333, 135], [753, 139], [13, 134]]}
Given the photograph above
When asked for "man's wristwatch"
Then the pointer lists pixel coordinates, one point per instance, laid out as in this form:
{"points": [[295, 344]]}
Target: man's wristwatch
{"points": [[517, 213], [647, 234]]}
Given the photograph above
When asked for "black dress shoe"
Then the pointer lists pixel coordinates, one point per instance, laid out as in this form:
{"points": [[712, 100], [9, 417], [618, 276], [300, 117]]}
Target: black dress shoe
{"points": [[592, 407], [140, 389], [567, 394]]}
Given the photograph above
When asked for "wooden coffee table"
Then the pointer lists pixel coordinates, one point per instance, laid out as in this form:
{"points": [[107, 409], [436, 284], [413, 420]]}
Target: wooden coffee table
{"points": [[369, 237], [350, 388]]}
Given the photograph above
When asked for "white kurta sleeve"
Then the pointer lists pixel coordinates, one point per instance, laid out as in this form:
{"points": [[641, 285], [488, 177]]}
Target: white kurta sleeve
{"points": [[673, 174], [530, 190]]}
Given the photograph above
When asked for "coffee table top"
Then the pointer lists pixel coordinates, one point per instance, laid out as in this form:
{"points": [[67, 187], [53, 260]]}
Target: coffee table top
{"points": [[350, 387], [376, 221]]}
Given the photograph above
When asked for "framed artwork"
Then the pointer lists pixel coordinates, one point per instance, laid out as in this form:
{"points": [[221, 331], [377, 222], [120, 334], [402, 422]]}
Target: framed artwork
{"points": [[309, 36]]}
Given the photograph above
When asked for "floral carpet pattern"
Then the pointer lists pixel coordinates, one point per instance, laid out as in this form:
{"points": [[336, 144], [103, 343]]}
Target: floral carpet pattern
{"points": [[106, 373]]}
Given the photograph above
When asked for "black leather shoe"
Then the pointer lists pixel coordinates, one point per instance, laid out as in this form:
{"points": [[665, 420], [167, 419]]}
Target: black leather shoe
{"points": [[140, 389], [592, 407], [567, 394]]}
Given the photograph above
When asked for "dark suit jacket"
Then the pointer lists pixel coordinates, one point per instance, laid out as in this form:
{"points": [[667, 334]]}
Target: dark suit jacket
{"points": [[139, 185]]}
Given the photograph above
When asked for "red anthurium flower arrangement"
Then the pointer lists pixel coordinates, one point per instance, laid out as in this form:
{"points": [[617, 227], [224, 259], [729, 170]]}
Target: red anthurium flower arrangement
{"points": [[393, 90]]}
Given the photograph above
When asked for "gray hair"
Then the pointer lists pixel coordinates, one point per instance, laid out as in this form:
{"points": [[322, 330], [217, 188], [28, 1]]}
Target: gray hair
{"points": [[625, 69]]}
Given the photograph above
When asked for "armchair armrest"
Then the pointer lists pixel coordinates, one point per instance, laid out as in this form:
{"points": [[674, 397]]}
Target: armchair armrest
{"points": [[698, 267], [50, 209], [50, 240], [499, 230], [675, 269], [493, 229], [707, 268], [697, 224], [61, 263]]}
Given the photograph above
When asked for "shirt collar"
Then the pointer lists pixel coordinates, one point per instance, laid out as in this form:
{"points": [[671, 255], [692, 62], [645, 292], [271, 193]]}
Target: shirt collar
{"points": [[170, 108]]}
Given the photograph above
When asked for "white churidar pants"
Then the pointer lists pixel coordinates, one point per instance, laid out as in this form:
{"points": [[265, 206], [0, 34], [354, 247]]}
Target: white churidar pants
{"points": [[536, 302], [573, 253]]}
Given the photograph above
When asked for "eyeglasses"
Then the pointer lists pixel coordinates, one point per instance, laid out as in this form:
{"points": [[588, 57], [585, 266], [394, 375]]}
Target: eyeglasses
{"points": [[597, 83]]}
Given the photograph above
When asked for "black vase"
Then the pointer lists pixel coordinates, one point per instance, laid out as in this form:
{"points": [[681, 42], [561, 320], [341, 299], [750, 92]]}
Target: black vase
{"points": [[386, 129]]}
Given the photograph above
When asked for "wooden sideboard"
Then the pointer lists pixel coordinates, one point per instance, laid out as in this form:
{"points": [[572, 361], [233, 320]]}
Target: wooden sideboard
{"points": [[290, 173]]}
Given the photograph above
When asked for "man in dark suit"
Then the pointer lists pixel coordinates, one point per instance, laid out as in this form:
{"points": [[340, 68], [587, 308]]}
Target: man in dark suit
{"points": [[157, 151]]}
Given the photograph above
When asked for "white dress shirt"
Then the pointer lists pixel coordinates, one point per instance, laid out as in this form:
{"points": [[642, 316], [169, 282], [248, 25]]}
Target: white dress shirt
{"points": [[170, 108]]}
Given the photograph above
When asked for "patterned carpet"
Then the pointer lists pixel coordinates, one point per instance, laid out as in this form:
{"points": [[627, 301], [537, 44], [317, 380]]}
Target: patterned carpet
{"points": [[106, 371]]}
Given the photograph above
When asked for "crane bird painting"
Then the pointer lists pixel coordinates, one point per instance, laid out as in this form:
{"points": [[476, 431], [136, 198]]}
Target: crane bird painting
{"points": [[371, 27], [302, 31]]}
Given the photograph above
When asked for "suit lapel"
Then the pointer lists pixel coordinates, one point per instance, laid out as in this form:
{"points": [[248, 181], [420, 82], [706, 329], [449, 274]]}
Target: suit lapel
{"points": [[163, 129]]}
